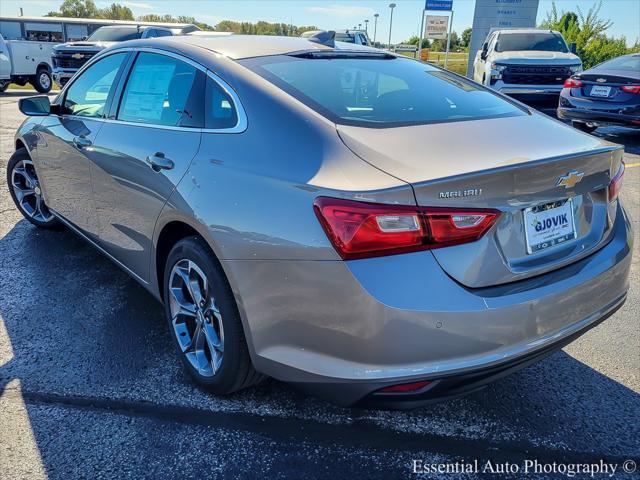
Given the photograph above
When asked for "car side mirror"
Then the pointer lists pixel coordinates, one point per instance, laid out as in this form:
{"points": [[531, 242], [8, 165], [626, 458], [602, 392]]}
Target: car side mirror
{"points": [[485, 49], [573, 48], [38, 106]]}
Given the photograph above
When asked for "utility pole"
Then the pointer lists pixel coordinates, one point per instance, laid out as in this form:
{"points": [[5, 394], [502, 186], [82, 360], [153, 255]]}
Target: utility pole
{"points": [[366, 25], [375, 26], [391, 6]]}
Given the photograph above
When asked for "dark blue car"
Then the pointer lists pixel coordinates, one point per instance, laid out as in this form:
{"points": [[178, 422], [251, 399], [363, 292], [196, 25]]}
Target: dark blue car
{"points": [[608, 94]]}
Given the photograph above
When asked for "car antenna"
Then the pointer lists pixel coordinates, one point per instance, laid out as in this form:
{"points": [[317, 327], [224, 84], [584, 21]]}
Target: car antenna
{"points": [[326, 38]]}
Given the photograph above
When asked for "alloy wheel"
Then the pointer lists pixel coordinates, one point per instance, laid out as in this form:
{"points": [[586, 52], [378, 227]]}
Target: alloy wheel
{"points": [[195, 317], [26, 188]]}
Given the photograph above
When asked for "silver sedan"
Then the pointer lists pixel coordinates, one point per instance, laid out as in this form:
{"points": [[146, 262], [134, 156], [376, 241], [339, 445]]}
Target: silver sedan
{"points": [[375, 230]]}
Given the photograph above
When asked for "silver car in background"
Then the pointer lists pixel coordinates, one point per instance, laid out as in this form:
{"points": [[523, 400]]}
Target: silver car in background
{"points": [[372, 229]]}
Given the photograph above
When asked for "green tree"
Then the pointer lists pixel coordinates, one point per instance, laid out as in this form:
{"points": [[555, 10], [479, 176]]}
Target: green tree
{"points": [[587, 31], [77, 9], [116, 12], [466, 37]]}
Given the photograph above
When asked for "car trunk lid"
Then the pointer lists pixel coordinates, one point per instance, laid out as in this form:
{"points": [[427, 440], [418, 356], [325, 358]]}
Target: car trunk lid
{"points": [[510, 164]]}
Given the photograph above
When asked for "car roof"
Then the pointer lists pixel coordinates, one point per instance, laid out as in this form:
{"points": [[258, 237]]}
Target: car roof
{"points": [[237, 47]]}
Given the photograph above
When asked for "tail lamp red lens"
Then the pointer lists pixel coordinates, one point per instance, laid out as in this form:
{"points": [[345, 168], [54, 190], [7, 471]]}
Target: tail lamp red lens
{"points": [[615, 185], [405, 387], [630, 88], [363, 229], [572, 83]]}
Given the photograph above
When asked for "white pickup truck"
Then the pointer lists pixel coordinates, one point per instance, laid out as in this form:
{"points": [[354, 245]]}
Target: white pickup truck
{"points": [[23, 61], [528, 64]]}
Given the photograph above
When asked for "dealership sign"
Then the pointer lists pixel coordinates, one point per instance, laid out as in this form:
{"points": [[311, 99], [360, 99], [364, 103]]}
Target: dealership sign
{"points": [[440, 5], [437, 27], [499, 14]]}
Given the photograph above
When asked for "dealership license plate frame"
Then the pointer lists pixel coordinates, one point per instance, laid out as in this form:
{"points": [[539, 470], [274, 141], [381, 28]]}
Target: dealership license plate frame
{"points": [[600, 91], [548, 209]]}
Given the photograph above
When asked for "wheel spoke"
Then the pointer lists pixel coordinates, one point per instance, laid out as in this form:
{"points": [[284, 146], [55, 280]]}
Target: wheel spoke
{"points": [[183, 306]]}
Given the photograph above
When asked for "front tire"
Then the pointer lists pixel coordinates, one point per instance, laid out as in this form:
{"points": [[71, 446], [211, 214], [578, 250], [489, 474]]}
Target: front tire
{"points": [[584, 127], [204, 320], [25, 191], [42, 82]]}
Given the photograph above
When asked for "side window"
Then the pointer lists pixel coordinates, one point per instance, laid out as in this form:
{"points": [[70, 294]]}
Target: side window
{"points": [[163, 33], [87, 95], [151, 33], [76, 32], [11, 30], [158, 91], [492, 42], [43, 32], [221, 111]]}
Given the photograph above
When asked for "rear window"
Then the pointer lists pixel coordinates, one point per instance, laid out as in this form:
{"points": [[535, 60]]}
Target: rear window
{"points": [[630, 63], [381, 91]]}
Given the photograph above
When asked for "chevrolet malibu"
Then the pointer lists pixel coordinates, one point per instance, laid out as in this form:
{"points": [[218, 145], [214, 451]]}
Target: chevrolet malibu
{"points": [[369, 228]]}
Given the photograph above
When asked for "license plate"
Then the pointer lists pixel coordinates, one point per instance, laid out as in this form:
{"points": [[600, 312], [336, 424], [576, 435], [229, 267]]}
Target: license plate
{"points": [[600, 91], [549, 225]]}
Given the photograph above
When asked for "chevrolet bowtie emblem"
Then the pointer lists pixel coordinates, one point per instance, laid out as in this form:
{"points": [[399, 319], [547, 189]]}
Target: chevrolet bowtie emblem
{"points": [[77, 56], [601, 80], [570, 179]]}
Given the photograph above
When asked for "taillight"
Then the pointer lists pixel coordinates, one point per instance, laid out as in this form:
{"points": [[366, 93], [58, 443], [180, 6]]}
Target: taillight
{"points": [[630, 88], [572, 83], [362, 229], [405, 387], [615, 185]]}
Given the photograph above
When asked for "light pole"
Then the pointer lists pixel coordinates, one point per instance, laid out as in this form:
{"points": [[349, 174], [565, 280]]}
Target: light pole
{"points": [[391, 6], [375, 26], [366, 26]]}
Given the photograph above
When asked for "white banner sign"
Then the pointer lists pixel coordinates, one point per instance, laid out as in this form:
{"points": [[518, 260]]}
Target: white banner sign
{"points": [[499, 14], [437, 27]]}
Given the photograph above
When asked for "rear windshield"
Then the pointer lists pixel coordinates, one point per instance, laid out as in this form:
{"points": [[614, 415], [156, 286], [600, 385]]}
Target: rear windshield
{"points": [[345, 37], [630, 63], [542, 41], [382, 91], [115, 34]]}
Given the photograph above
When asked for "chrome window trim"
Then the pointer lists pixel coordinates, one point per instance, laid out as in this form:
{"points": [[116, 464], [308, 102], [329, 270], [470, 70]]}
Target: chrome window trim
{"points": [[240, 126]]}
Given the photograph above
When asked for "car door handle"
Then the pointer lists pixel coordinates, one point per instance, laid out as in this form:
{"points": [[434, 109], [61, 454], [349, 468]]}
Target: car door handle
{"points": [[158, 162], [82, 142]]}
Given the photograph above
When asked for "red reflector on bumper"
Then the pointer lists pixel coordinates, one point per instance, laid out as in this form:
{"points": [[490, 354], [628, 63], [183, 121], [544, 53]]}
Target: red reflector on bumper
{"points": [[405, 387]]}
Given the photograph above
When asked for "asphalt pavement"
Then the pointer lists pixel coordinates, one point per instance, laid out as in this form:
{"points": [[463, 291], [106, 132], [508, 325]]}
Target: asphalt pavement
{"points": [[90, 386]]}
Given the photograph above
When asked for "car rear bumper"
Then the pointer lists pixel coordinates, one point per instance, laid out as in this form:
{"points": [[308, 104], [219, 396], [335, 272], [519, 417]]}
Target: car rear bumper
{"points": [[598, 117], [344, 330]]}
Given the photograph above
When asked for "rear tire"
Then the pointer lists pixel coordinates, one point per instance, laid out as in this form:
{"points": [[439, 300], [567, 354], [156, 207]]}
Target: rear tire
{"points": [[42, 82], [204, 321], [584, 127], [24, 188]]}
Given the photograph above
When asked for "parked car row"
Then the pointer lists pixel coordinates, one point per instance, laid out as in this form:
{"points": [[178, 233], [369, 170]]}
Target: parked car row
{"points": [[32, 49], [538, 68]]}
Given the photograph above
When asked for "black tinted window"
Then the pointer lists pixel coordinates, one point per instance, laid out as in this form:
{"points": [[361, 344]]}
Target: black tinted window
{"points": [[221, 111], [157, 91], [119, 34], [87, 95], [379, 91], [513, 42], [630, 63]]}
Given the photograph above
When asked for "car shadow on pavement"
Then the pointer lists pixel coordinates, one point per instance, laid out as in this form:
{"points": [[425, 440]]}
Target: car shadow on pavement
{"points": [[82, 334]]}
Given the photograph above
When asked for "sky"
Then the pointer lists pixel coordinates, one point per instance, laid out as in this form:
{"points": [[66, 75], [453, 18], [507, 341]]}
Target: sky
{"points": [[337, 14]]}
